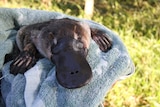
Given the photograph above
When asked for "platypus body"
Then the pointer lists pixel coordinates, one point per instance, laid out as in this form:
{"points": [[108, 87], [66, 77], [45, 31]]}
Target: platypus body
{"points": [[63, 41]]}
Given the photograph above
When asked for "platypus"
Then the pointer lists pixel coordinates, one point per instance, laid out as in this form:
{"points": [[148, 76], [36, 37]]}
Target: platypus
{"points": [[65, 42]]}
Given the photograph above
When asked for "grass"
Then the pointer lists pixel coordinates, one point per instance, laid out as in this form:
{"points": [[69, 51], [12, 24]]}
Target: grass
{"points": [[142, 89], [138, 24]]}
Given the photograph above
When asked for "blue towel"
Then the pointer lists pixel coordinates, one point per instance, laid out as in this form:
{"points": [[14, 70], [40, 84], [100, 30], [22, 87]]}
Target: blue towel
{"points": [[38, 87]]}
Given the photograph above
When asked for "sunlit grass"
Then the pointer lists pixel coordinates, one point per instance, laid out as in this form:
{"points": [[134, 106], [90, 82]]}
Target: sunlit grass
{"points": [[142, 88], [140, 34], [138, 25]]}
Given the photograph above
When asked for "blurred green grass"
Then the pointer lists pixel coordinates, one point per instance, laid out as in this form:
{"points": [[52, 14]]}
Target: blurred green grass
{"points": [[138, 24]]}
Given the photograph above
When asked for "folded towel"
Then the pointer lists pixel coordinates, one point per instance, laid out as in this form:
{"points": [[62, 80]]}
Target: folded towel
{"points": [[38, 87]]}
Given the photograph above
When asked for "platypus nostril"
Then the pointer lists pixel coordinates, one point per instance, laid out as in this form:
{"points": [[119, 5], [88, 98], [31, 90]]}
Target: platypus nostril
{"points": [[74, 72]]}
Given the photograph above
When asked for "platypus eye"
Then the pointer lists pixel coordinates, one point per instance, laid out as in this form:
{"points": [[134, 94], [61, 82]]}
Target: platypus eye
{"points": [[56, 47], [55, 41]]}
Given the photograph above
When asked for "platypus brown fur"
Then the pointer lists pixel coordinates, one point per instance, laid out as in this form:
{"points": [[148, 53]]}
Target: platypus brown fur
{"points": [[63, 41]]}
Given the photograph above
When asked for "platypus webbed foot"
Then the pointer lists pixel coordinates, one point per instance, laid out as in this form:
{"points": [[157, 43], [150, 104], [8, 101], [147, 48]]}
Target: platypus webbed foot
{"points": [[22, 63], [102, 40]]}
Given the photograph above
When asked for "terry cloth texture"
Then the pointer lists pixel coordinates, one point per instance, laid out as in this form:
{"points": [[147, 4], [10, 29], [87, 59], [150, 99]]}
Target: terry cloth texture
{"points": [[38, 87]]}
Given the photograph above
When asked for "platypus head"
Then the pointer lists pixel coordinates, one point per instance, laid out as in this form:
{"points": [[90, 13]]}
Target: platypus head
{"points": [[72, 68], [69, 50]]}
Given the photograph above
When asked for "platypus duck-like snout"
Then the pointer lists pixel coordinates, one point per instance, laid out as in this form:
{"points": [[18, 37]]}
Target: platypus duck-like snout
{"points": [[72, 69]]}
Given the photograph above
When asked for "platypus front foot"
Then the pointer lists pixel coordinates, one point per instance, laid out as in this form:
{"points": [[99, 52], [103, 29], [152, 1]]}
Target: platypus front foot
{"points": [[22, 63], [102, 40]]}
